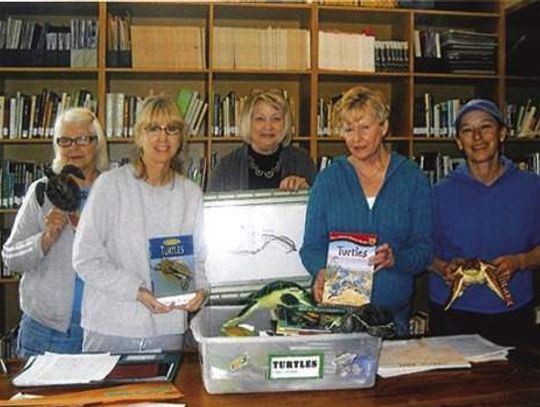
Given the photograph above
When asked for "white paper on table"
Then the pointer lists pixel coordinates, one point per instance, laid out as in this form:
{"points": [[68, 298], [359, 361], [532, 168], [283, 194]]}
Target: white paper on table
{"points": [[57, 369], [474, 348]]}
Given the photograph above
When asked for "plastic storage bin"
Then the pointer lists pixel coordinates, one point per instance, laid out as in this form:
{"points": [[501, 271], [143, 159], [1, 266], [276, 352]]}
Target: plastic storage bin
{"points": [[280, 363]]}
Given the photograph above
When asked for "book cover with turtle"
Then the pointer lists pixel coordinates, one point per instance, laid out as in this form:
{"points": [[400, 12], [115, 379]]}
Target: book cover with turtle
{"points": [[349, 276], [172, 268]]}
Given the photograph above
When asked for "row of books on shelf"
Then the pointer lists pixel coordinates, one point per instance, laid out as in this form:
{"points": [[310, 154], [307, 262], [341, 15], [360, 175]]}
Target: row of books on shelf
{"points": [[162, 46], [33, 116], [361, 52], [523, 119], [15, 179], [26, 42], [261, 48], [357, 3], [456, 51], [122, 111], [16, 176], [436, 166], [118, 40], [434, 119]]}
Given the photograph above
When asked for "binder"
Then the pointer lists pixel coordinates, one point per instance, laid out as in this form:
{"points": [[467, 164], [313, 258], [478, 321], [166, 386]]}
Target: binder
{"points": [[131, 368]]}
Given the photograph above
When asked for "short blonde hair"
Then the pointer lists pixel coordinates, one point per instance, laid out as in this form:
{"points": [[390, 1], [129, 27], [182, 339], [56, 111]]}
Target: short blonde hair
{"points": [[155, 108], [272, 97], [82, 116], [360, 98]]}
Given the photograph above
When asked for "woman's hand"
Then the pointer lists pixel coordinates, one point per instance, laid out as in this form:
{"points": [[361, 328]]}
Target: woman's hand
{"points": [[318, 286], [447, 269], [384, 257], [147, 299], [195, 303], [507, 266], [55, 222], [293, 183]]}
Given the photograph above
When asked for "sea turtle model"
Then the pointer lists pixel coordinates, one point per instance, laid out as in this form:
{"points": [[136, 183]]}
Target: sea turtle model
{"points": [[284, 293], [476, 271], [61, 189]]}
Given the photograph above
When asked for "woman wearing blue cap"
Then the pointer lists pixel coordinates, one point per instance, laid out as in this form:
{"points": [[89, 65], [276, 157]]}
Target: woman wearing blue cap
{"points": [[489, 210]]}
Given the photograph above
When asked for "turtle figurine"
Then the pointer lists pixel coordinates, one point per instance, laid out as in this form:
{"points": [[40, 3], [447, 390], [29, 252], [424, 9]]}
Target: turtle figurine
{"points": [[477, 271], [61, 189], [284, 293]]}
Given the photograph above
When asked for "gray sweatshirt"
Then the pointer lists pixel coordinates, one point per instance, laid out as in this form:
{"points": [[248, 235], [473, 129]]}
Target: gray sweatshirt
{"points": [[110, 251], [46, 288]]}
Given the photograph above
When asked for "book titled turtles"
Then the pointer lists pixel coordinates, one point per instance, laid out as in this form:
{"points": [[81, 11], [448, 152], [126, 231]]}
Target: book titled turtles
{"points": [[349, 276], [172, 268]]}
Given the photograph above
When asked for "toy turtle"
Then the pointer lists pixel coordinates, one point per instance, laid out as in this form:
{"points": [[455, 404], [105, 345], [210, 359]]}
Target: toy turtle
{"points": [[476, 271], [61, 189], [284, 293]]}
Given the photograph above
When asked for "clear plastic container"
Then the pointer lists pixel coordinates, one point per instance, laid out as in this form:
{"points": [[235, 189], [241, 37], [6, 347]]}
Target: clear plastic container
{"points": [[280, 363]]}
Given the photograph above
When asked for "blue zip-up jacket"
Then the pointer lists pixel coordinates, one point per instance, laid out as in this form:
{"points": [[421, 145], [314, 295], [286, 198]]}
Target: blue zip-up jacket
{"points": [[401, 217], [475, 220]]}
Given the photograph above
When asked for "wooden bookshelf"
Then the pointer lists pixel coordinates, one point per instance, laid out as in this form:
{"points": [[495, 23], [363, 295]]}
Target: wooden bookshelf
{"points": [[305, 86]]}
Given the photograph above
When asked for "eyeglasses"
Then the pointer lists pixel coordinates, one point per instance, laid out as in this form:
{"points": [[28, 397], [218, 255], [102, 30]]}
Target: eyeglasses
{"points": [[154, 130], [79, 141]]}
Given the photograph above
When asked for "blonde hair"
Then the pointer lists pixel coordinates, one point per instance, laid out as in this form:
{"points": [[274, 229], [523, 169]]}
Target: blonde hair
{"points": [[357, 99], [81, 116], [272, 97], [157, 108]]}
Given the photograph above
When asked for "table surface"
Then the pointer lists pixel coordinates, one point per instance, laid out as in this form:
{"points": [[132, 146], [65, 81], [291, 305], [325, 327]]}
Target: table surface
{"points": [[510, 383], [485, 384]]}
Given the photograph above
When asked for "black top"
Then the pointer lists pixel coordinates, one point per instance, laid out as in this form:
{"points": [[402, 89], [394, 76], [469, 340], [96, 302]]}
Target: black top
{"points": [[264, 171]]}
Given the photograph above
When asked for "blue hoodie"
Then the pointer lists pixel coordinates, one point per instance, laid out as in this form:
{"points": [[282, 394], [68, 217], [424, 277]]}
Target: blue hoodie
{"points": [[475, 220], [401, 217]]}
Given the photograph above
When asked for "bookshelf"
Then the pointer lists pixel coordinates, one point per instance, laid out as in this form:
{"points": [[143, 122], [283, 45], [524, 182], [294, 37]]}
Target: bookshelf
{"points": [[300, 75]]}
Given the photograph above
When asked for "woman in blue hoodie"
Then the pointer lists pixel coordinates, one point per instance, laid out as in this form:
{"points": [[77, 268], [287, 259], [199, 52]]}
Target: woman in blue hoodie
{"points": [[486, 209], [371, 190]]}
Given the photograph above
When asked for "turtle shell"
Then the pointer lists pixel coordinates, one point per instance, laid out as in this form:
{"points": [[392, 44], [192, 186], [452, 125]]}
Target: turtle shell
{"points": [[61, 189], [271, 287]]}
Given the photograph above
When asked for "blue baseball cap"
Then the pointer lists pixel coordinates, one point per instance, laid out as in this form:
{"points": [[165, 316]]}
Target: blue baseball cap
{"points": [[479, 104]]}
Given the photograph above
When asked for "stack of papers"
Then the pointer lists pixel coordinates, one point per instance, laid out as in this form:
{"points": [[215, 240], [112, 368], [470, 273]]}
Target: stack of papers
{"points": [[61, 369], [442, 352], [474, 348]]}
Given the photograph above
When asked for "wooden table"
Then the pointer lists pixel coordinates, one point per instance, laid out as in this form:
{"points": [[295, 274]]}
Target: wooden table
{"points": [[486, 384]]}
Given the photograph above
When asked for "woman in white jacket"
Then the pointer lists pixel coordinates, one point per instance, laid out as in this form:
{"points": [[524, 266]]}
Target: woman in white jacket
{"points": [[128, 209], [41, 241]]}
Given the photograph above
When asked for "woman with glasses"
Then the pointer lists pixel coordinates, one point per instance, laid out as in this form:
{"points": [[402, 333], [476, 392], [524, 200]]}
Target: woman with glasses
{"points": [[130, 209], [40, 244], [267, 160], [376, 191], [485, 209]]}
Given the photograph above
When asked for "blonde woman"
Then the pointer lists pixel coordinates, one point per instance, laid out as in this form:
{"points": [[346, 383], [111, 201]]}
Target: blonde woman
{"points": [[128, 208], [371, 190], [40, 244], [267, 160]]}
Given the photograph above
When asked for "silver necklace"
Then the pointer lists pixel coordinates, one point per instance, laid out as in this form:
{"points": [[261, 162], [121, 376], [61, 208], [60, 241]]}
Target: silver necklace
{"points": [[261, 173]]}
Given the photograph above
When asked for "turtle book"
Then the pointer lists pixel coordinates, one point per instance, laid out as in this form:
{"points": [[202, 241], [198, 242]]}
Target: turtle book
{"points": [[172, 268], [349, 276]]}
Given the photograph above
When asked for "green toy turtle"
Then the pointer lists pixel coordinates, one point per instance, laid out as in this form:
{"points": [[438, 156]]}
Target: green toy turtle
{"points": [[284, 293]]}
